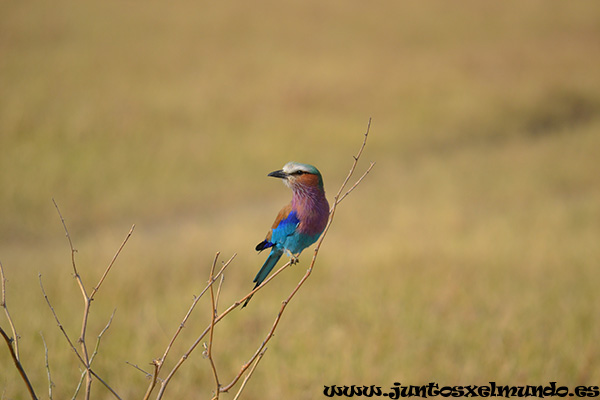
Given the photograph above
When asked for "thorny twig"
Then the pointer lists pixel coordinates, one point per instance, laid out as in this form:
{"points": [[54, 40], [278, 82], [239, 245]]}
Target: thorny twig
{"points": [[62, 329], [186, 355], [84, 356], [94, 353], [158, 363]]}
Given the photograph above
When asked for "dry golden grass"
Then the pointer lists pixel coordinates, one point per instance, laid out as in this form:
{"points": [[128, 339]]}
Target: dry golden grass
{"points": [[469, 255]]}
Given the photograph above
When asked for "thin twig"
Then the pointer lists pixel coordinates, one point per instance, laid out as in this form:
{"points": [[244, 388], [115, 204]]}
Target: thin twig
{"points": [[351, 172], [73, 251], [148, 374], [111, 263], [86, 309], [356, 183], [15, 340], [62, 329], [87, 301], [249, 374], [50, 383], [160, 362], [154, 376], [213, 314], [79, 384], [60, 326], [13, 346], [219, 292], [106, 385], [271, 332], [94, 353], [18, 364], [102, 334], [101, 381], [86, 312], [196, 299], [187, 354]]}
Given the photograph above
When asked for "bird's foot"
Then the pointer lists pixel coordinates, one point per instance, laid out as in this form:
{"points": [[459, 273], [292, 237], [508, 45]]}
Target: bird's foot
{"points": [[293, 257]]}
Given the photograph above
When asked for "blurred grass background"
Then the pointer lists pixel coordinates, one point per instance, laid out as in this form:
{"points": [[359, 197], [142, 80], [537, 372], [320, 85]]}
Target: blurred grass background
{"points": [[469, 254]]}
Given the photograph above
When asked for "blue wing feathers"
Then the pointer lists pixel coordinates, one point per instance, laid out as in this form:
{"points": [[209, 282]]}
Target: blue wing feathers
{"points": [[286, 227]]}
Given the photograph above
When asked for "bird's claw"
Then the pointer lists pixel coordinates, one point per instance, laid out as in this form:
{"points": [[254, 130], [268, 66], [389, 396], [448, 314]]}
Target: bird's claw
{"points": [[293, 257]]}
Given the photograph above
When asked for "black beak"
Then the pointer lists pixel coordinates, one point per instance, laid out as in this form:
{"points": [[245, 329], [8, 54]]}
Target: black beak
{"points": [[278, 174]]}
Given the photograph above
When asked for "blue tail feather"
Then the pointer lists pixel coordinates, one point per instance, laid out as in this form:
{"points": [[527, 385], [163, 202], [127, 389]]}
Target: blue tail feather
{"points": [[267, 267]]}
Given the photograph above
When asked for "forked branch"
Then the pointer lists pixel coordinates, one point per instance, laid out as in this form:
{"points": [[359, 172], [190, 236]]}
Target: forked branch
{"points": [[83, 354]]}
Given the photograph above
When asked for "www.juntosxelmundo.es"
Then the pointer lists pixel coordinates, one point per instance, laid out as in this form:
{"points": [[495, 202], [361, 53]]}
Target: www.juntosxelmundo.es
{"points": [[434, 389]]}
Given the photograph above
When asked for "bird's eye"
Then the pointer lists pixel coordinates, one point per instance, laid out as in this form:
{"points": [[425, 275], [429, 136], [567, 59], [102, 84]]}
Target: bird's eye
{"points": [[299, 172]]}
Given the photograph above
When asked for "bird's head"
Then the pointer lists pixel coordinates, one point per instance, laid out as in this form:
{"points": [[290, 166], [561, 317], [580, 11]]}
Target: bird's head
{"points": [[297, 175]]}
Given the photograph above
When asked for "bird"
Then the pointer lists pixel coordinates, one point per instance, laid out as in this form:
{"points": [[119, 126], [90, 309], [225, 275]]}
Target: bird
{"points": [[300, 223]]}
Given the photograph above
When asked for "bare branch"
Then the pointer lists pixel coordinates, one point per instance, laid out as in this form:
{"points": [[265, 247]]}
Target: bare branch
{"points": [[60, 326], [160, 362], [79, 384], [356, 158], [18, 364], [111, 263], [271, 333], [356, 183], [50, 383], [196, 299], [86, 300], [12, 344], [148, 374], [95, 352], [213, 315], [106, 385], [15, 339], [73, 251], [86, 312], [186, 355], [219, 292], [62, 329], [102, 334], [154, 377], [243, 385], [111, 390]]}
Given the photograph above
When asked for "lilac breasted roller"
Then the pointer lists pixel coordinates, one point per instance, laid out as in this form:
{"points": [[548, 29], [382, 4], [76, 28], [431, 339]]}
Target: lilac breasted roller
{"points": [[301, 222]]}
